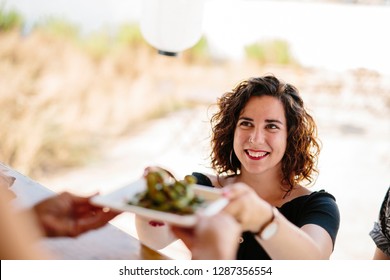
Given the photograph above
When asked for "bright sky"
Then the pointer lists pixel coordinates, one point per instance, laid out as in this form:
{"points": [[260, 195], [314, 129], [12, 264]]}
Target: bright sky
{"points": [[330, 35], [333, 36]]}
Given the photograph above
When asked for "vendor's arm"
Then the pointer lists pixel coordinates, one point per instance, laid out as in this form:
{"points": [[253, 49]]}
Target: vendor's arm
{"points": [[19, 233]]}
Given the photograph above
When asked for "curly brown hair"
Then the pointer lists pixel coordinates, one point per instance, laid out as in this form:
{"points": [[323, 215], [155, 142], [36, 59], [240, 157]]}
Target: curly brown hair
{"points": [[300, 159]]}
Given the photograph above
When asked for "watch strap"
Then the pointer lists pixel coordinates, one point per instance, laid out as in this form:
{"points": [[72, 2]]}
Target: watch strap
{"points": [[267, 223]]}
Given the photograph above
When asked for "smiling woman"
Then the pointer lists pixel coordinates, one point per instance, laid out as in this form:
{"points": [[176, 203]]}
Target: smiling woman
{"points": [[264, 152]]}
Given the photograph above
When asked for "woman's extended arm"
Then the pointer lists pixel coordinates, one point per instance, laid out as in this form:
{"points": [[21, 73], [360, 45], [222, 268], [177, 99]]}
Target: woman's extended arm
{"points": [[289, 241]]}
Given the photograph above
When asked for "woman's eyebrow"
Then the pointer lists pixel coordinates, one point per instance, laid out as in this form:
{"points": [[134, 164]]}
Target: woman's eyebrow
{"points": [[246, 119], [273, 121]]}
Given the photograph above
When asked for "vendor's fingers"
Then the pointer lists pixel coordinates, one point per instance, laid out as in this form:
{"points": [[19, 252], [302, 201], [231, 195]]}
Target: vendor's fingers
{"points": [[94, 221], [76, 200]]}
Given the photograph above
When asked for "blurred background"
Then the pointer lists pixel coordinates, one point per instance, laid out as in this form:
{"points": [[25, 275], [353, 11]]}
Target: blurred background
{"points": [[86, 103]]}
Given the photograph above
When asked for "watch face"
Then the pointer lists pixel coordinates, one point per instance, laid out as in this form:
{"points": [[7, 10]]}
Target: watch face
{"points": [[269, 231]]}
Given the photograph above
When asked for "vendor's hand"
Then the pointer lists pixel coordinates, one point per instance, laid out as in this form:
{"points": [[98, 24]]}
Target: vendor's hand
{"points": [[246, 206], [70, 215], [213, 237]]}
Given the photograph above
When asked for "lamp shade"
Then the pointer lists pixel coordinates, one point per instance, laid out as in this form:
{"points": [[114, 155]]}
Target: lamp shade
{"points": [[172, 26]]}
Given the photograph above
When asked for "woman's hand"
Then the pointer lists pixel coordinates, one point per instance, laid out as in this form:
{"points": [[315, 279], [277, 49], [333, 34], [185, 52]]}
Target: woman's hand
{"points": [[70, 215], [246, 206]]}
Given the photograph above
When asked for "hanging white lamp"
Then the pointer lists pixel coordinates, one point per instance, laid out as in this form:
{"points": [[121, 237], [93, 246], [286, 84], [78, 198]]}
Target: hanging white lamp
{"points": [[172, 26]]}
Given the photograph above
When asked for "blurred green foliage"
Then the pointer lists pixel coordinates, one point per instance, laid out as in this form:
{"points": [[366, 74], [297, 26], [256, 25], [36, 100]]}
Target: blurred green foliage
{"points": [[97, 44], [9, 19], [57, 27], [271, 52], [129, 34], [199, 52]]}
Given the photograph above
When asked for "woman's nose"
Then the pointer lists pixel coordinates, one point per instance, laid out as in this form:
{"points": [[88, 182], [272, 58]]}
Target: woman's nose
{"points": [[257, 137]]}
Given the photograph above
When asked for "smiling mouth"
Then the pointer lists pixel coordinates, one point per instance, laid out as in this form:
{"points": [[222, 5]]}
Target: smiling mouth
{"points": [[256, 155]]}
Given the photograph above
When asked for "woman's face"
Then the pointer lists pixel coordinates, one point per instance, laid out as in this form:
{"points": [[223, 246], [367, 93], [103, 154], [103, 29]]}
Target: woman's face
{"points": [[260, 137]]}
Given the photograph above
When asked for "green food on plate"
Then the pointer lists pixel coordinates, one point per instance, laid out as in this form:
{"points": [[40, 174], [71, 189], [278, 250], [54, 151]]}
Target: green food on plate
{"points": [[165, 193]]}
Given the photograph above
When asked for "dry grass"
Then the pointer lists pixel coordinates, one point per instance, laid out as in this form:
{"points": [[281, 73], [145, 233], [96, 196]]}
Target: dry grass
{"points": [[60, 102]]}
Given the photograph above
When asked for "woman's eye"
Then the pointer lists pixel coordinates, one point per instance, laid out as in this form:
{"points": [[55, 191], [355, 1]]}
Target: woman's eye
{"points": [[245, 123], [272, 126]]}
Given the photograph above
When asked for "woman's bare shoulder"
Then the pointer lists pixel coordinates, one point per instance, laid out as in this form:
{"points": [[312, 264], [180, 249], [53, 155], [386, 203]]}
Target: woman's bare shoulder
{"points": [[220, 181]]}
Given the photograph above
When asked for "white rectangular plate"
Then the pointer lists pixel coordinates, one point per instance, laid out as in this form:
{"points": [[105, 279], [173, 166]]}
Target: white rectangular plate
{"points": [[118, 200]]}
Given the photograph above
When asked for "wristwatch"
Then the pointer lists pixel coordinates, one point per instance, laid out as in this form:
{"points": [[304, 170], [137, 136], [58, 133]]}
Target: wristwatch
{"points": [[270, 227]]}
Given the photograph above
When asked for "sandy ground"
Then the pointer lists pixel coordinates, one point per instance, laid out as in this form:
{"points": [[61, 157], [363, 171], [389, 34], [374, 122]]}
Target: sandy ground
{"points": [[354, 167]]}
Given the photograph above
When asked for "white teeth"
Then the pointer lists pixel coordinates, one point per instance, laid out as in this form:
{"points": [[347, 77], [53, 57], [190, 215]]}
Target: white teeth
{"points": [[257, 154]]}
